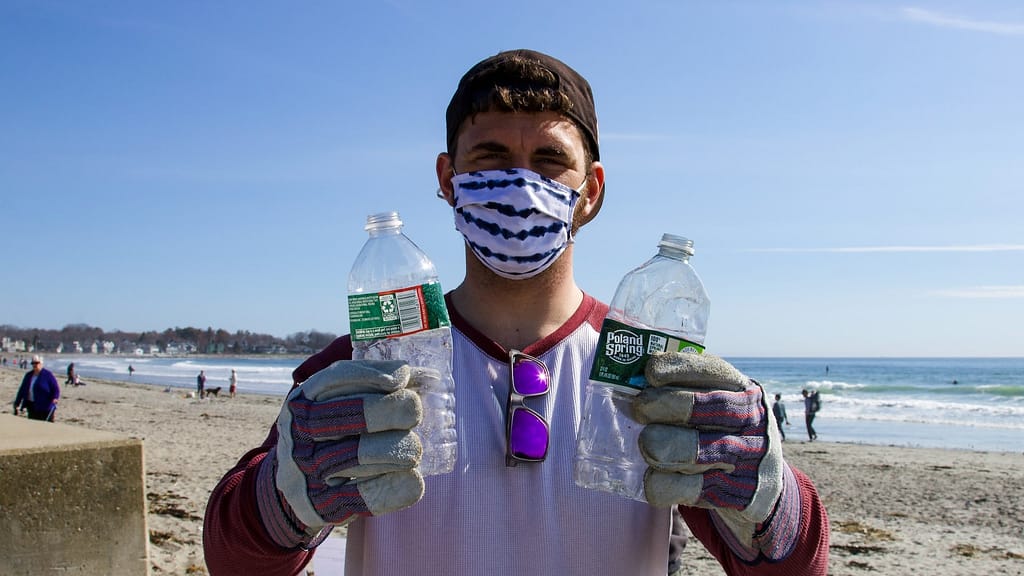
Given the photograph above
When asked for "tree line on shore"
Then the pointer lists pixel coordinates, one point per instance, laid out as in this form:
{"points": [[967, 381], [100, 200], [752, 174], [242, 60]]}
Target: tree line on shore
{"points": [[204, 341]]}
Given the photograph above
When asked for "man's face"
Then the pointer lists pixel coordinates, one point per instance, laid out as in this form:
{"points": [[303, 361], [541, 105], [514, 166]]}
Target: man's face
{"points": [[37, 366], [544, 142]]}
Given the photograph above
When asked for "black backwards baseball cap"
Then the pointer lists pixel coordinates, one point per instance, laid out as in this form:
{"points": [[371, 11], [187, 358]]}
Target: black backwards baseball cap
{"points": [[508, 70]]}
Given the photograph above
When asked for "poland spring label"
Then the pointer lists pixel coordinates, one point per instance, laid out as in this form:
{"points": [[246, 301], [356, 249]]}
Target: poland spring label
{"points": [[397, 312], [622, 353]]}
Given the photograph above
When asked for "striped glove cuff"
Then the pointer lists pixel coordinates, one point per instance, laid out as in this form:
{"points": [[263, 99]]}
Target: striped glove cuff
{"points": [[280, 522], [775, 538]]}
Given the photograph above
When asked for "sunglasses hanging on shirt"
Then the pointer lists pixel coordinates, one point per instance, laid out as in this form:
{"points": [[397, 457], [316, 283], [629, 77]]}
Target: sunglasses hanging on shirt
{"points": [[527, 434]]}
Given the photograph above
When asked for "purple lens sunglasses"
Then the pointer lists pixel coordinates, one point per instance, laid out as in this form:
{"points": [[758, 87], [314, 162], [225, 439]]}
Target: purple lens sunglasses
{"points": [[526, 435]]}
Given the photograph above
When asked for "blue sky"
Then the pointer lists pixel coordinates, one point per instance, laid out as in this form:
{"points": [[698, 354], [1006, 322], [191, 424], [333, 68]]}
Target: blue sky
{"points": [[851, 172]]}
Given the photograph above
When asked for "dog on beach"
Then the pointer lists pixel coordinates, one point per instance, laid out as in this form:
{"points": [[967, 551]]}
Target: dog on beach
{"points": [[213, 391]]}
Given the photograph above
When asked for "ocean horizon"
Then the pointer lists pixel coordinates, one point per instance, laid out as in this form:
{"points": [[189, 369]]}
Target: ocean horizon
{"points": [[956, 403]]}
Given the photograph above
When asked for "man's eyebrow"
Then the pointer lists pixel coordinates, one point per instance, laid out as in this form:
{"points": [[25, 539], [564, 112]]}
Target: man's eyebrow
{"points": [[553, 151], [489, 146]]}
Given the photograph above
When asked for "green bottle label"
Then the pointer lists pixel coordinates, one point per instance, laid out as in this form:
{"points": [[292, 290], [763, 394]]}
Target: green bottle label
{"points": [[623, 350], [397, 312]]}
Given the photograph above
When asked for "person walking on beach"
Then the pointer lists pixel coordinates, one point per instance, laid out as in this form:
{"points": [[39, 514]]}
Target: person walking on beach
{"points": [[131, 370], [201, 384], [71, 379], [522, 139], [38, 393], [811, 406], [232, 383], [779, 409]]}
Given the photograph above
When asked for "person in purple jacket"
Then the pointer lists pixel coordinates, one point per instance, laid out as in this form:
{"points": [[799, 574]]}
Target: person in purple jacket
{"points": [[38, 392]]}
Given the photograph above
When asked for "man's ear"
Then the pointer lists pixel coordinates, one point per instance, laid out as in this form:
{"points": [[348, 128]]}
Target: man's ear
{"points": [[592, 196], [445, 171]]}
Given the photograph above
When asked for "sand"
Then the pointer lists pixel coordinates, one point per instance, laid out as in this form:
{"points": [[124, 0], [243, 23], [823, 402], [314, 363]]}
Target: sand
{"points": [[893, 510]]}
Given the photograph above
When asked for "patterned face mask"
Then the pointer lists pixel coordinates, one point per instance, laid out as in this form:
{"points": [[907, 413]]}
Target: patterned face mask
{"points": [[516, 221]]}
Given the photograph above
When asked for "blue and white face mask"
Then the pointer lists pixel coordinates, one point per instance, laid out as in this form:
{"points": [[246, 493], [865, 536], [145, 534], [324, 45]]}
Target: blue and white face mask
{"points": [[516, 221]]}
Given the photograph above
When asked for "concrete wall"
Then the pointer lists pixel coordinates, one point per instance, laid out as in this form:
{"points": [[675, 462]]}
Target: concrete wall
{"points": [[72, 501]]}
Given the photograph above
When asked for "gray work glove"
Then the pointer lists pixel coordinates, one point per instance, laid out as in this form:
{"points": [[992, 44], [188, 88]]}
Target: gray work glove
{"points": [[711, 441], [345, 449]]}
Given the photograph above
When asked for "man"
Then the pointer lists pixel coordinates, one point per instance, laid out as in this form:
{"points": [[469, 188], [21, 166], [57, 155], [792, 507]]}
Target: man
{"points": [[201, 384], [233, 383], [39, 392], [779, 409], [810, 409], [523, 155]]}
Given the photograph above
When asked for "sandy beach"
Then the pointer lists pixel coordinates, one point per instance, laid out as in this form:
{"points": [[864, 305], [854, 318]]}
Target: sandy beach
{"points": [[893, 510]]}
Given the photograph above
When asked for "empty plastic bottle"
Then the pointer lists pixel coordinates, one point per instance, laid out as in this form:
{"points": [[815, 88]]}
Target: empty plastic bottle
{"points": [[659, 307], [397, 312]]}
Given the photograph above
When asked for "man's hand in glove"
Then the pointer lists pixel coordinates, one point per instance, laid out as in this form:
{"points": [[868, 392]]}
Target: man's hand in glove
{"points": [[345, 449], [711, 441]]}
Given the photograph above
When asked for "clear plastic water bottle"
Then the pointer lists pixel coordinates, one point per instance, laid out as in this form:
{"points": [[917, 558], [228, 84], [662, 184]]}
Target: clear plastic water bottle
{"points": [[396, 311], [659, 307]]}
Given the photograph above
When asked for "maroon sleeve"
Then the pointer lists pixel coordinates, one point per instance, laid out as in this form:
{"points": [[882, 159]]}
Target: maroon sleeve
{"points": [[809, 557], [234, 540]]}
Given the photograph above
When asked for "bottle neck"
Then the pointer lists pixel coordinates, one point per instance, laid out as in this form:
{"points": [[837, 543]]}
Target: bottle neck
{"points": [[384, 230], [673, 253], [383, 224]]}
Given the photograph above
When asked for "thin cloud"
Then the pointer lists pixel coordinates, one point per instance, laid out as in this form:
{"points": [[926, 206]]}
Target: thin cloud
{"points": [[948, 21], [901, 249], [982, 292]]}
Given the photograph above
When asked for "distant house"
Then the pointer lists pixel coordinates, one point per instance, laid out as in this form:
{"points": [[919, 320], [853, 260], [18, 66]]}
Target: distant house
{"points": [[271, 349], [11, 345], [102, 347], [180, 348]]}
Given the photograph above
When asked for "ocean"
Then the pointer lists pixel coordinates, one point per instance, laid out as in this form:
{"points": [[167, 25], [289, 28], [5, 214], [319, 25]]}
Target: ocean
{"points": [[961, 403]]}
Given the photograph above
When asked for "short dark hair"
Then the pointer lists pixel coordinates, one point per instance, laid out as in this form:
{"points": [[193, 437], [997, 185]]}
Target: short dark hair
{"points": [[524, 81]]}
